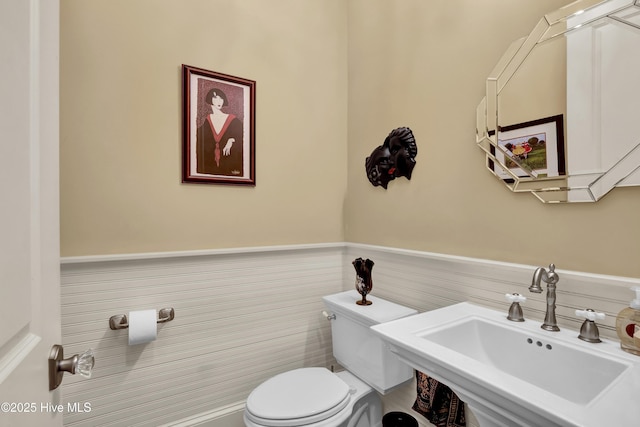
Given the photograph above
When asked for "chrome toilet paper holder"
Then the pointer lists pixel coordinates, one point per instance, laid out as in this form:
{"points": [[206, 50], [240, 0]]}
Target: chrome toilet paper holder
{"points": [[120, 321]]}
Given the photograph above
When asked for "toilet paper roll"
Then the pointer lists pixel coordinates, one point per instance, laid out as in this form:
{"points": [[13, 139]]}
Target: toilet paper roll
{"points": [[143, 326]]}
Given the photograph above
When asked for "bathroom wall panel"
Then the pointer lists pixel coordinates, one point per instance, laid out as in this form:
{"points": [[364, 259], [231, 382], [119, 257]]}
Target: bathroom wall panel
{"points": [[241, 317], [245, 315]]}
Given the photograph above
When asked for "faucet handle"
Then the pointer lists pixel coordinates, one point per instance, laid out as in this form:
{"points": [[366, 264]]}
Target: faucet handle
{"points": [[589, 330], [515, 311], [515, 297], [589, 314]]}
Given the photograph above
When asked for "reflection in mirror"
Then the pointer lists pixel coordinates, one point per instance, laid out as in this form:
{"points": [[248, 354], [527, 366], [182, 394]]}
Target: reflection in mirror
{"points": [[560, 116]]}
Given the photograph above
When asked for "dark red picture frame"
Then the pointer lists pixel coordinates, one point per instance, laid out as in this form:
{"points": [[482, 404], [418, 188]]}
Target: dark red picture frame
{"points": [[218, 128]]}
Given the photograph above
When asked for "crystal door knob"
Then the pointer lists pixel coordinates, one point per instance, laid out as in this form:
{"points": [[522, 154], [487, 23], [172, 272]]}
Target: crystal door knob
{"points": [[78, 363], [85, 363]]}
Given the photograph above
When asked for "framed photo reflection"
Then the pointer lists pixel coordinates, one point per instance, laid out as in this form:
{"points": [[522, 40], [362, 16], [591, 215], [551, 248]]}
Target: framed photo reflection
{"points": [[538, 145]]}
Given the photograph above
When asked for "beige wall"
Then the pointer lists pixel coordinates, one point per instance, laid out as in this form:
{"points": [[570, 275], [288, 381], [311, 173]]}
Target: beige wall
{"points": [[422, 65], [121, 123], [321, 110]]}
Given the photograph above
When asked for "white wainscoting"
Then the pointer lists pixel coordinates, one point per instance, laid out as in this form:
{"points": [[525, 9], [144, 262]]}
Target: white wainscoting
{"points": [[243, 315]]}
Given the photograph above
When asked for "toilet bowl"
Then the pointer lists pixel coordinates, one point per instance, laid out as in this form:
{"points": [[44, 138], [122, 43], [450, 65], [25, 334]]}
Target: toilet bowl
{"points": [[313, 397], [317, 397]]}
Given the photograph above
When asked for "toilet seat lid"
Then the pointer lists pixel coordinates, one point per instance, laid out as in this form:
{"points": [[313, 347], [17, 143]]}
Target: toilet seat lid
{"points": [[307, 393]]}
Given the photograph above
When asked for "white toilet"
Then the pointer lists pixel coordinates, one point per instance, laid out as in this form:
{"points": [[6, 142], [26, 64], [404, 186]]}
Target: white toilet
{"points": [[316, 397]]}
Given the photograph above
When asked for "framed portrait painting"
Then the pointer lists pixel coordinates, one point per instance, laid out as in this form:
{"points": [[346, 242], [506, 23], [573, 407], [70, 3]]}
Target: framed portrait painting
{"points": [[219, 128], [537, 145]]}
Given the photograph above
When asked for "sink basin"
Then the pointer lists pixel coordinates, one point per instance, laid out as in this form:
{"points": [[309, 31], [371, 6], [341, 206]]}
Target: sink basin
{"points": [[516, 374], [565, 371]]}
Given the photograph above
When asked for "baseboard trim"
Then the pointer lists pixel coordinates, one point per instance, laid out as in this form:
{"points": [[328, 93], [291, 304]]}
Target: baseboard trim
{"points": [[225, 416]]}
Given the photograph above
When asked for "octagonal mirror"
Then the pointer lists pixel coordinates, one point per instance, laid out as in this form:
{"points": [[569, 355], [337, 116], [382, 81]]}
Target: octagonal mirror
{"points": [[560, 116]]}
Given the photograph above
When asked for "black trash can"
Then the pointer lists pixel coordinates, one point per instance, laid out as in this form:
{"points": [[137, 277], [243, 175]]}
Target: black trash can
{"points": [[398, 419]]}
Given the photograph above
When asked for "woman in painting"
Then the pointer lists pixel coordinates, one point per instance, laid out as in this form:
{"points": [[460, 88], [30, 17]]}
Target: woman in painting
{"points": [[219, 140]]}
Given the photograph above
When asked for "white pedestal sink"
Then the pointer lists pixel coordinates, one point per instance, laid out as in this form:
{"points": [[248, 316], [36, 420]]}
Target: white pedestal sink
{"points": [[516, 374]]}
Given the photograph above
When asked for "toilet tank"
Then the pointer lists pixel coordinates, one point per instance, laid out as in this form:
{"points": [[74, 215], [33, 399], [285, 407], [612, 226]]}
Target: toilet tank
{"points": [[357, 349]]}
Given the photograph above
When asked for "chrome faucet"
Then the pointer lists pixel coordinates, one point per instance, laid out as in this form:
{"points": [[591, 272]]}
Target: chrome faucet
{"points": [[550, 278]]}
